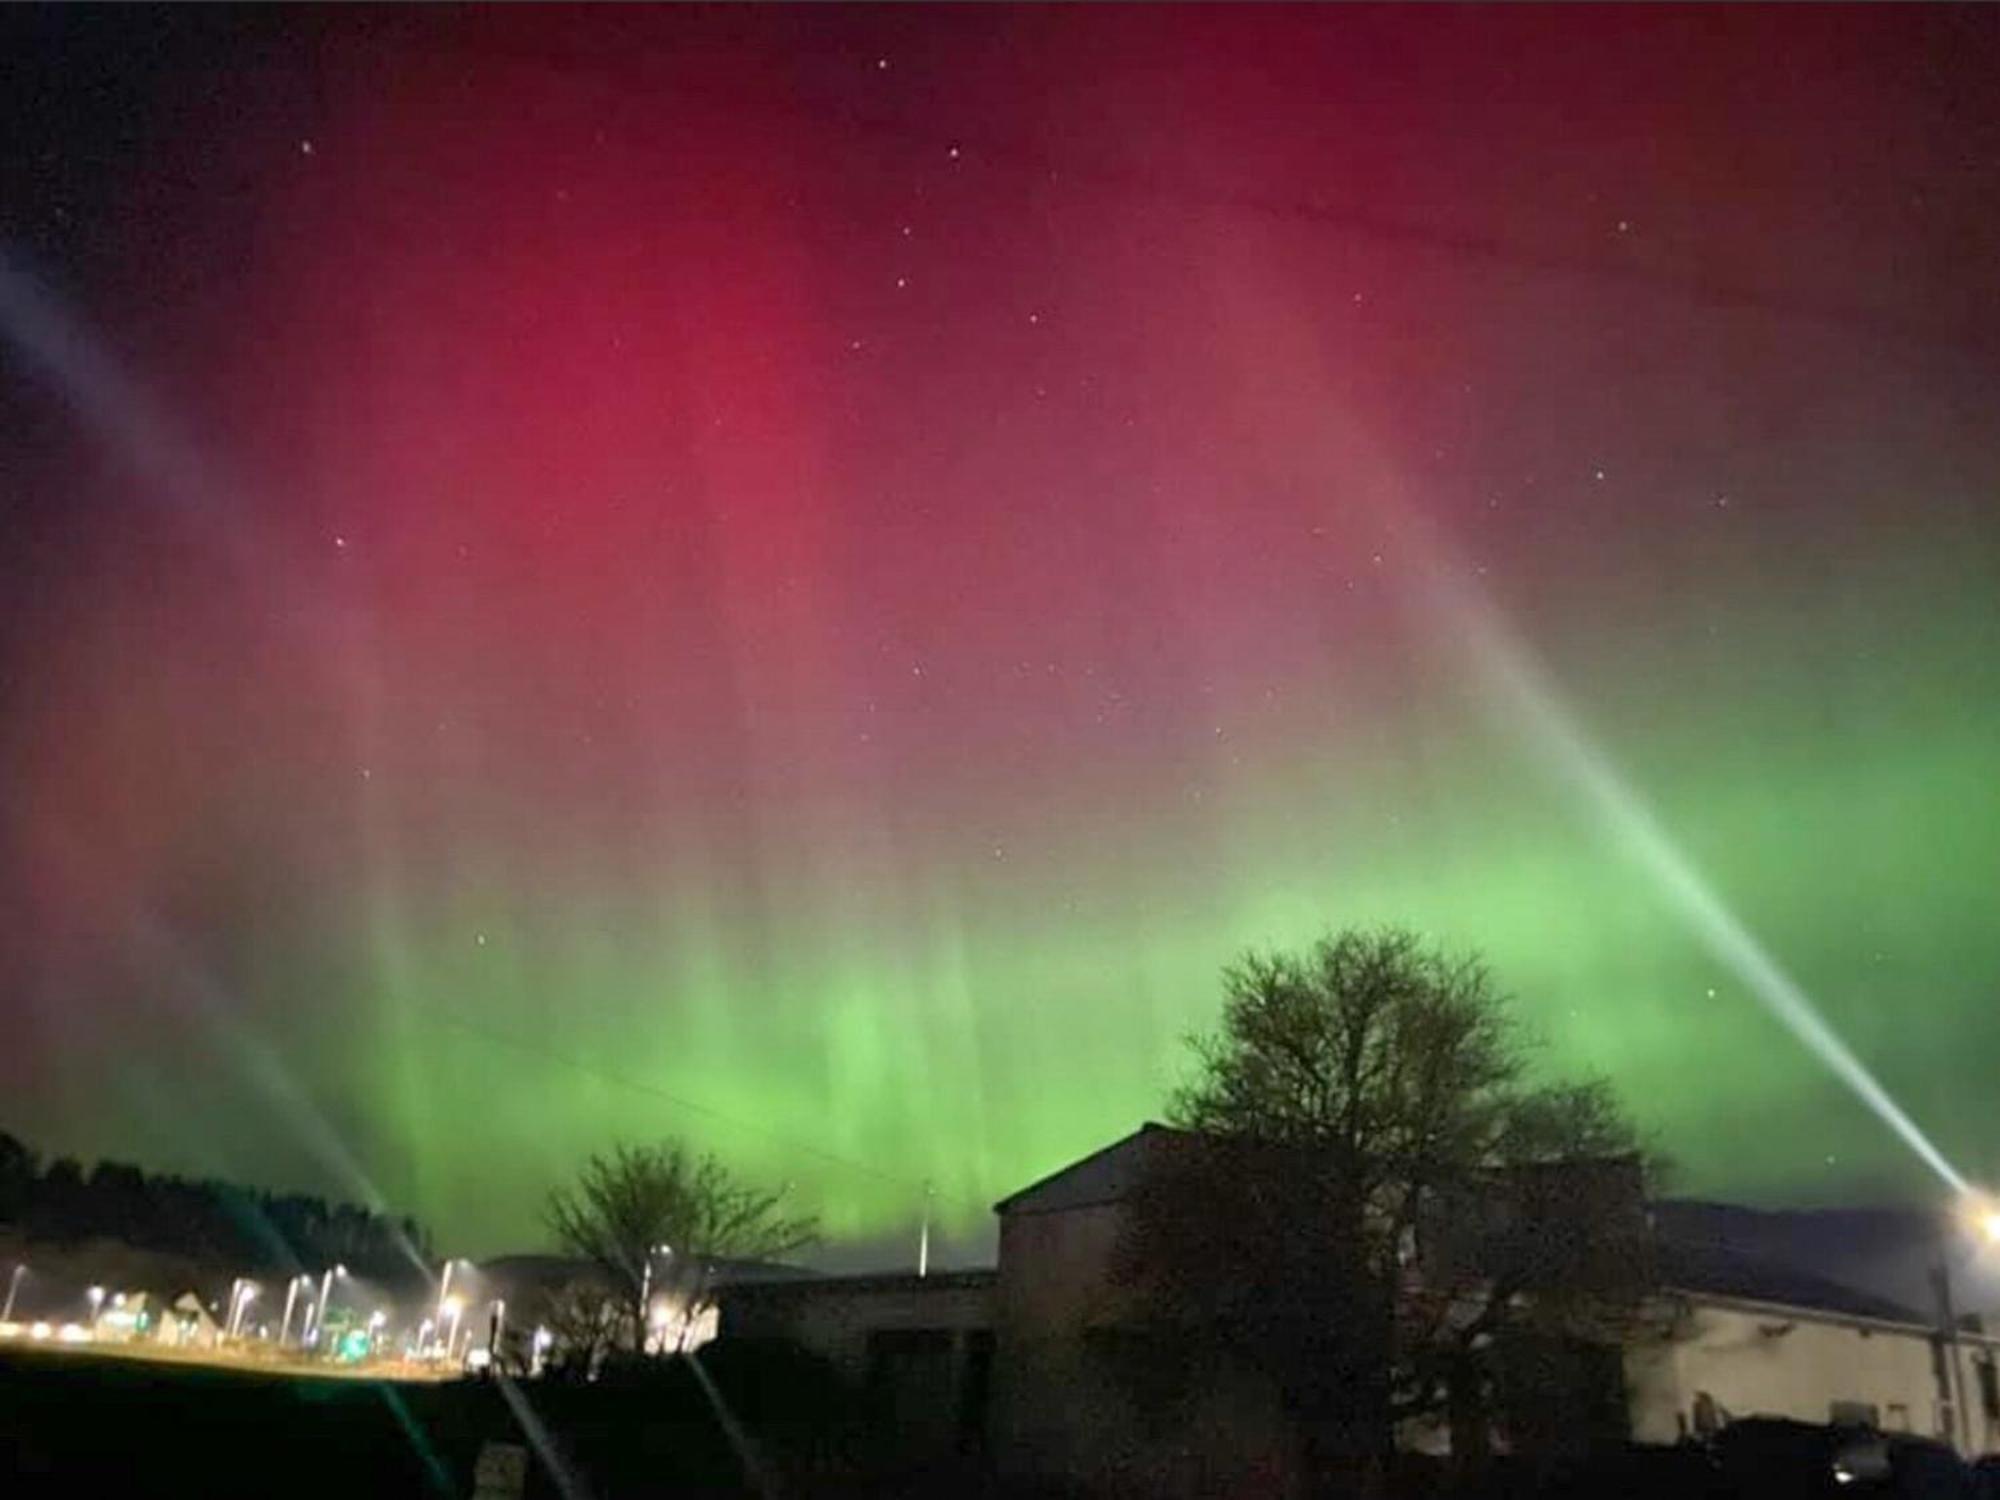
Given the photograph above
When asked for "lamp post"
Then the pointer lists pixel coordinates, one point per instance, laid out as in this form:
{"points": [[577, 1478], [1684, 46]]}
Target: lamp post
{"points": [[96, 1295], [646, 1293], [1982, 1216], [453, 1307], [291, 1299], [444, 1292], [325, 1290], [242, 1293], [13, 1286]]}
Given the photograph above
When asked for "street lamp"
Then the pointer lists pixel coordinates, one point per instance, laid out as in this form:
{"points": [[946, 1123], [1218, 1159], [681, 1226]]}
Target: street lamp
{"points": [[499, 1322], [375, 1321], [242, 1293], [646, 1290], [444, 1290], [291, 1299], [13, 1286], [325, 1289], [453, 1306], [96, 1295], [1978, 1213]]}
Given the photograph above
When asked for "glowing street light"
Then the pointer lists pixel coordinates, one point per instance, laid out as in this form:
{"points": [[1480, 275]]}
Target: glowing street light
{"points": [[444, 1289], [241, 1293], [325, 1289], [96, 1295], [13, 1286], [646, 1285], [453, 1307], [1978, 1213], [291, 1298]]}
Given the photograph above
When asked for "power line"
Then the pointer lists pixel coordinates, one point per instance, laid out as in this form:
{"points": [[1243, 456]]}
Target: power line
{"points": [[544, 1053]]}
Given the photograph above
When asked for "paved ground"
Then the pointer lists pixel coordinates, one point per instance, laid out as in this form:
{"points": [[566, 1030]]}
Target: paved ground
{"points": [[253, 1361]]}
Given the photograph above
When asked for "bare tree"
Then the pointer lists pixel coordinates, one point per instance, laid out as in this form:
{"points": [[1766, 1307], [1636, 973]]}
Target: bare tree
{"points": [[1371, 1203], [586, 1322], [657, 1218]]}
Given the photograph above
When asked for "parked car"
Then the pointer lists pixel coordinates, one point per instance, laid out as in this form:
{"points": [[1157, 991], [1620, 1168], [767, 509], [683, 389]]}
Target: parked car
{"points": [[1785, 1460]]}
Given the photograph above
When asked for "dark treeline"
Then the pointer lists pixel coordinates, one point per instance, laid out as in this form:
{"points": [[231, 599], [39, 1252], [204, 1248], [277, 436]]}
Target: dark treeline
{"points": [[216, 1223]]}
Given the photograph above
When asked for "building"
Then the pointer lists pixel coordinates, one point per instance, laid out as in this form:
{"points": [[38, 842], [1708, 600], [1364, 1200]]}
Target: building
{"points": [[1040, 1359], [1755, 1339], [549, 1299], [187, 1324], [921, 1347]]}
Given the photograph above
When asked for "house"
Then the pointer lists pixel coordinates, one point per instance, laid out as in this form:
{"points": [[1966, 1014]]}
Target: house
{"points": [[187, 1324], [1040, 1355], [1755, 1339]]}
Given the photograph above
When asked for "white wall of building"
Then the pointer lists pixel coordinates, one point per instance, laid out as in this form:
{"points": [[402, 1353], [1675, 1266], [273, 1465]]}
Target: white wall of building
{"points": [[1755, 1359]]}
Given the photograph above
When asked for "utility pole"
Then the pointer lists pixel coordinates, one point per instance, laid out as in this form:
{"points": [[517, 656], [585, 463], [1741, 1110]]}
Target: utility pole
{"points": [[1948, 1319], [924, 1238]]}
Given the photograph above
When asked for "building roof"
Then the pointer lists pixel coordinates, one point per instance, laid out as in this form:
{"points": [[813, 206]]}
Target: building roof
{"points": [[974, 1279], [518, 1273], [1692, 1263], [1718, 1271], [1107, 1175]]}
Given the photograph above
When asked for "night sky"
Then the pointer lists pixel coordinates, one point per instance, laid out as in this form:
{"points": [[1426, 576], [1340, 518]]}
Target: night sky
{"points": [[803, 579]]}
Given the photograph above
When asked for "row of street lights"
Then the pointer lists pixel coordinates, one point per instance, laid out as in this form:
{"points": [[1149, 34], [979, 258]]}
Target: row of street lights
{"points": [[436, 1337]]}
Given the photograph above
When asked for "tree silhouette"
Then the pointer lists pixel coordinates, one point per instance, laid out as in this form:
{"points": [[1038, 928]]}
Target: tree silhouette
{"points": [[656, 1217], [223, 1224], [1373, 1208]]}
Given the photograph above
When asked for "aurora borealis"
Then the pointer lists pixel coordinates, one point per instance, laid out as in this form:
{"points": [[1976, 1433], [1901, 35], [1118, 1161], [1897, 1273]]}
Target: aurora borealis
{"points": [[803, 579]]}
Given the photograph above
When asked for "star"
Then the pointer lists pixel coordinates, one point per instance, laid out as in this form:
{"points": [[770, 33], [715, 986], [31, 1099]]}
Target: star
{"points": [[953, 153], [902, 281], [340, 543], [881, 64], [306, 147]]}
